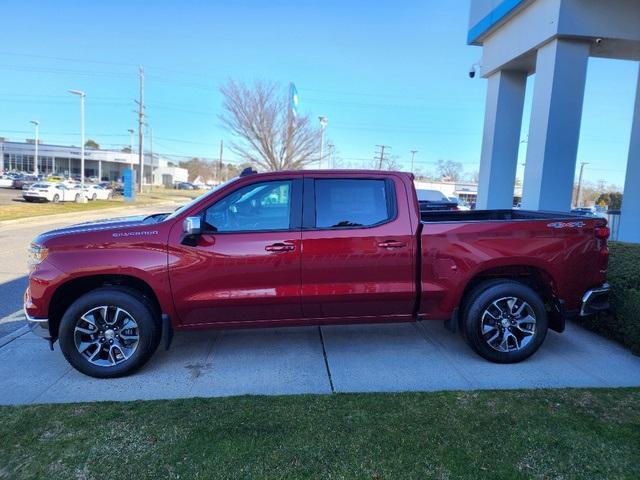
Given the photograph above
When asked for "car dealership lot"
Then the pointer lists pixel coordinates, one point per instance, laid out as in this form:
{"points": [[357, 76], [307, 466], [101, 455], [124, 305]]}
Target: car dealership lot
{"points": [[365, 358]]}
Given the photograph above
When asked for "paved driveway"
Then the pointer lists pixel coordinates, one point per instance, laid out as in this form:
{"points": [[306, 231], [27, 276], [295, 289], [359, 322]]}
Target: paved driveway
{"points": [[366, 358]]}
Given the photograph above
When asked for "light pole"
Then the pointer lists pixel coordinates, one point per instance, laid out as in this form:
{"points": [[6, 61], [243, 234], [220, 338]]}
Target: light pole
{"points": [[131, 132], [413, 156], [35, 153], [580, 183], [323, 125], [81, 94]]}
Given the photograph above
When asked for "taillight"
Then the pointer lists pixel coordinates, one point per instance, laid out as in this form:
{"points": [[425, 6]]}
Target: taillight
{"points": [[602, 233]]}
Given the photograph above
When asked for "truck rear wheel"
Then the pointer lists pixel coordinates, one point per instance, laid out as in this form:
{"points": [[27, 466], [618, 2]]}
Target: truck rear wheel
{"points": [[504, 321], [109, 333]]}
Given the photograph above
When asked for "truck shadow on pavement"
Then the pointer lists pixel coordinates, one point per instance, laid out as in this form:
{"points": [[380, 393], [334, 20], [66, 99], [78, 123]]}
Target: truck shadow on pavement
{"points": [[11, 294]]}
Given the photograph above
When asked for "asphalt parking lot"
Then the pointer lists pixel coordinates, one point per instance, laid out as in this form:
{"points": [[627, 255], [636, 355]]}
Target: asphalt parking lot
{"points": [[9, 195], [366, 358]]}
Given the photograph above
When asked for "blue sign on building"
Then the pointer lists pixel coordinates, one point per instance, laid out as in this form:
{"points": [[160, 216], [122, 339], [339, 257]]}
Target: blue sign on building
{"points": [[129, 185]]}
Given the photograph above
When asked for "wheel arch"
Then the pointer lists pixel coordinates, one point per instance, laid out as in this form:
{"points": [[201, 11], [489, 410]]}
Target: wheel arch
{"points": [[74, 288], [535, 277]]}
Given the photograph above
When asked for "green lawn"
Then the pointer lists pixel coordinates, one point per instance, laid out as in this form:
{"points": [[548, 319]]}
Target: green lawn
{"points": [[21, 209], [509, 434]]}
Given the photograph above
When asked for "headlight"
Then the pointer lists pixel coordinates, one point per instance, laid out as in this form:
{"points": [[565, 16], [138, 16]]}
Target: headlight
{"points": [[36, 255]]}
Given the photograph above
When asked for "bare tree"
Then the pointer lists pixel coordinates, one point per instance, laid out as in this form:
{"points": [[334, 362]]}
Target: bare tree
{"points": [[450, 170], [266, 133]]}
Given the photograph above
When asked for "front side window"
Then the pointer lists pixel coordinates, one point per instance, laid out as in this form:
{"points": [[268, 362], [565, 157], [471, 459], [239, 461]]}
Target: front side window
{"points": [[256, 207], [352, 203]]}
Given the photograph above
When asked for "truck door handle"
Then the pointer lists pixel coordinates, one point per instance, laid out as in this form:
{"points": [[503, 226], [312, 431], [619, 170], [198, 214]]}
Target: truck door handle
{"points": [[280, 247], [392, 244]]}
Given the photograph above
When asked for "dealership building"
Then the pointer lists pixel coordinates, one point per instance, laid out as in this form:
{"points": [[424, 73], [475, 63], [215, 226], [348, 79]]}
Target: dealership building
{"points": [[554, 40], [108, 165]]}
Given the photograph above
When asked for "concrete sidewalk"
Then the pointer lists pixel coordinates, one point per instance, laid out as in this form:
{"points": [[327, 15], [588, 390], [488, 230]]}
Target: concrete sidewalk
{"points": [[365, 358]]}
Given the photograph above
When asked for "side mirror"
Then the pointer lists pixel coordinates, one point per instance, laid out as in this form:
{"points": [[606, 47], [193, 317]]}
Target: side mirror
{"points": [[191, 226]]}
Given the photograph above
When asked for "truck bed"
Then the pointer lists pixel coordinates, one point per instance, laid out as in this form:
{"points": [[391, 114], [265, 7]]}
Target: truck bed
{"points": [[552, 248]]}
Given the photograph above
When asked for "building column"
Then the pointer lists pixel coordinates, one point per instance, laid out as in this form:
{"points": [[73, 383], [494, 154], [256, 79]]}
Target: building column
{"points": [[99, 171], [554, 130], [630, 213], [501, 139]]}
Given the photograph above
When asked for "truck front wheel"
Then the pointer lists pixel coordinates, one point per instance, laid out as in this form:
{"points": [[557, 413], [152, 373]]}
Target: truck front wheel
{"points": [[504, 321], [109, 333]]}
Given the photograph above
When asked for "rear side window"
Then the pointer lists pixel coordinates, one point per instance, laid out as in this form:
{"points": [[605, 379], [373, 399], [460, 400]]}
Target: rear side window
{"points": [[345, 203]]}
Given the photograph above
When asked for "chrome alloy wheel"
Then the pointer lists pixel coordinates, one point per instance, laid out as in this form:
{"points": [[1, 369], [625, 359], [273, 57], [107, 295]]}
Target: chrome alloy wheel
{"points": [[106, 335], [508, 324]]}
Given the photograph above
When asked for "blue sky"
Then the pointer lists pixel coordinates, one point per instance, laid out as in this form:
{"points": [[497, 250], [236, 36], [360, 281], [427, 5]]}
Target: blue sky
{"points": [[391, 73]]}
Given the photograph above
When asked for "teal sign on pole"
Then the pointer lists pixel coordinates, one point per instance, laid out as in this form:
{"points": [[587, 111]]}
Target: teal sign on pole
{"points": [[129, 185]]}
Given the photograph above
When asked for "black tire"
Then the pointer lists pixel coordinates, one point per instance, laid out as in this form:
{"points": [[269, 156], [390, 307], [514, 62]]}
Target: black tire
{"points": [[56, 198], [144, 315], [479, 305]]}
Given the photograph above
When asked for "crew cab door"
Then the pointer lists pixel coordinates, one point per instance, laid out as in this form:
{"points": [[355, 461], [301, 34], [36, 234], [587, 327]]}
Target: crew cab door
{"points": [[358, 248], [245, 266]]}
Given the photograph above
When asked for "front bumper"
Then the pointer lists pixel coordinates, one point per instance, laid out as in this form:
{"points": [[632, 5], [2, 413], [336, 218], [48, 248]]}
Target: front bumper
{"points": [[38, 326], [595, 300]]}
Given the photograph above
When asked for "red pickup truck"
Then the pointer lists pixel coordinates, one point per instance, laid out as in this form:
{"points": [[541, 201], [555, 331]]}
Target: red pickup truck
{"points": [[312, 248]]}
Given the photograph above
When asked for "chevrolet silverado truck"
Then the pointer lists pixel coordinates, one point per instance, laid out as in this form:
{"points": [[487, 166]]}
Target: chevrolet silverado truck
{"points": [[312, 248]]}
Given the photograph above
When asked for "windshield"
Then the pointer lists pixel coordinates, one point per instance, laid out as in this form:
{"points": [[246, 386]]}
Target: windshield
{"points": [[199, 197], [431, 196]]}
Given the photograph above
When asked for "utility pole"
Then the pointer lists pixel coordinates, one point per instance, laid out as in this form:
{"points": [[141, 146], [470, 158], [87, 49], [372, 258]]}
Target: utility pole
{"points": [[219, 175], [331, 147], [141, 130], [413, 155], [582, 164], [381, 159]]}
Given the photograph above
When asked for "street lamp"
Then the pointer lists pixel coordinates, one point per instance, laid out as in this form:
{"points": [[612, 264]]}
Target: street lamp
{"points": [[323, 125], [131, 145], [81, 94], [413, 156], [35, 153]]}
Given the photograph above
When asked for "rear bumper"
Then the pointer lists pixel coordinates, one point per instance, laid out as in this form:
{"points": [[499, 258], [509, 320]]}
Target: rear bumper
{"points": [[595, 300]]}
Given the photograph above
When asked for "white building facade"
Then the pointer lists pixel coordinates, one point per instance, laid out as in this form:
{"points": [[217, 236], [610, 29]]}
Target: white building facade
{"points": [[107, 165], [553, 39]]}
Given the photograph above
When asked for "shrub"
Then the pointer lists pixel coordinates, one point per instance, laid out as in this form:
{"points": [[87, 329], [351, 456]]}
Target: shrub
{"points": [[622, 323]]}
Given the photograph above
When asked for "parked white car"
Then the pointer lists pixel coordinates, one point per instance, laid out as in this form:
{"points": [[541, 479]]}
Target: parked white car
{"points": [[462, 206], [98, 192], [6, 181], [52, 192]]}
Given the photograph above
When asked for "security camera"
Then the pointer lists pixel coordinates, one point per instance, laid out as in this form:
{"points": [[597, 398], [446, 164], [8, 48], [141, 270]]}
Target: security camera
{"points": [[598, 41], [472, 70]]}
